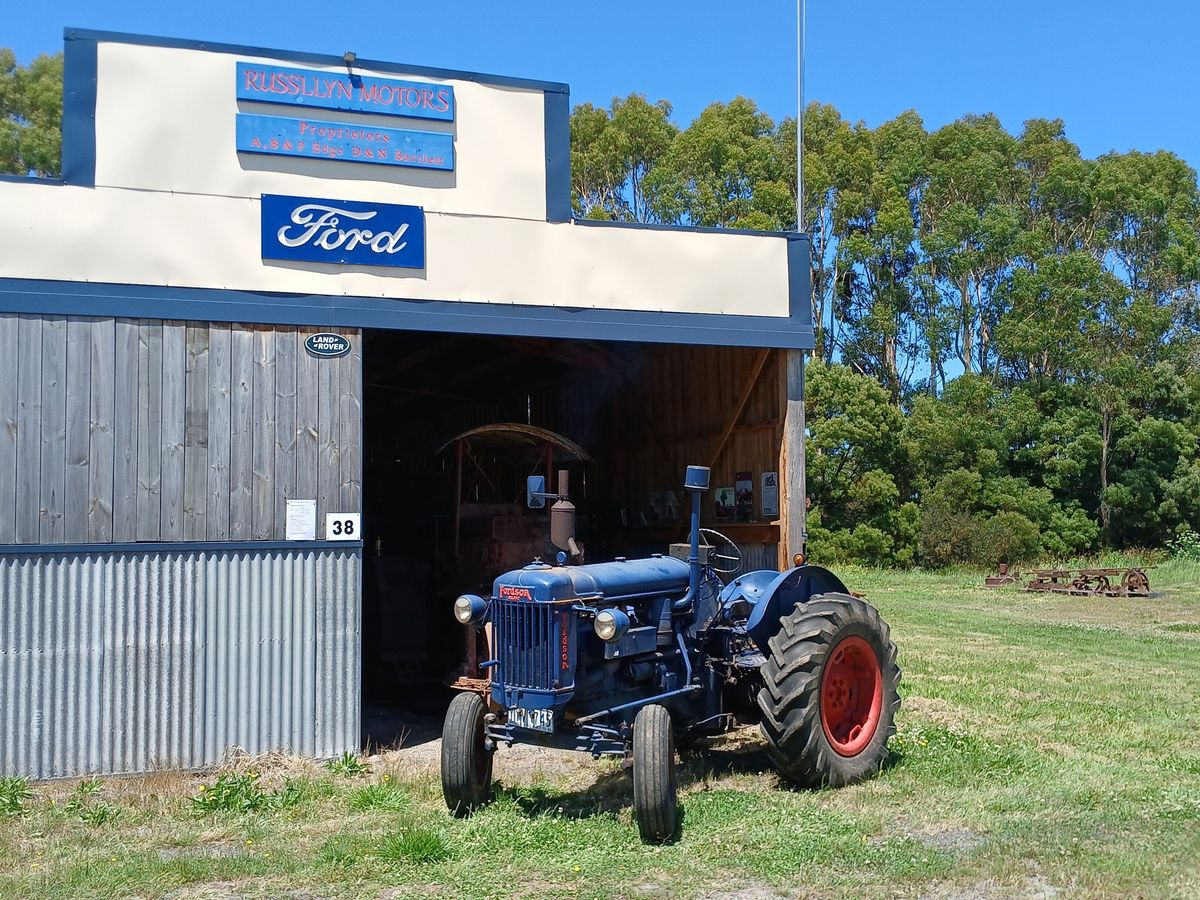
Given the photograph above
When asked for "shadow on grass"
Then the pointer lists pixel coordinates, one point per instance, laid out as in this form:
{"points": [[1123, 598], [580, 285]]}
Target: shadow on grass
{"points": [[612, 791]]}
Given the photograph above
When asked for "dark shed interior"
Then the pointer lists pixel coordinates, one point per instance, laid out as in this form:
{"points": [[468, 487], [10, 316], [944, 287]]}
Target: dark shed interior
{"points": [[444, 487]]}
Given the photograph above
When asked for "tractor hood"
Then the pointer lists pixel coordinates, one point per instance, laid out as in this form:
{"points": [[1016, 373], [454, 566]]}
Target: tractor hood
{"points": [[655, 576]]}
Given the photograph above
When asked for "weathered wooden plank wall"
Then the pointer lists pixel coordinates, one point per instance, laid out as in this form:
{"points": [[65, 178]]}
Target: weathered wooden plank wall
{"points": [[646, 416], [144, 430], [8, 427]]}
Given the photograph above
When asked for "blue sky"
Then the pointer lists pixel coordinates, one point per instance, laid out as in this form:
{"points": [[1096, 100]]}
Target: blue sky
{"points": [[1121, 75]]}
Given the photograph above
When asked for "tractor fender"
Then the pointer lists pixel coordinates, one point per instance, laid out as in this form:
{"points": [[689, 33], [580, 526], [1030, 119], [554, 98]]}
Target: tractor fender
{"points": [[782, 595]]}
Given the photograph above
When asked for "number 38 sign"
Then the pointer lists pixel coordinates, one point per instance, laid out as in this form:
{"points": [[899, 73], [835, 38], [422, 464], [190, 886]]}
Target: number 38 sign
{"points": [[342, 527]]}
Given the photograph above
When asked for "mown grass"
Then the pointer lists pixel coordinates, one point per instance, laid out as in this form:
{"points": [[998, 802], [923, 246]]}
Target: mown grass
{"points": [[1046, 744]]}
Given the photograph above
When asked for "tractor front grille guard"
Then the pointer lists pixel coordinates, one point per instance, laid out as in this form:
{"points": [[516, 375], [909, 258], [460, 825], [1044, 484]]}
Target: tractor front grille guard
{"points": [[535, 650]]}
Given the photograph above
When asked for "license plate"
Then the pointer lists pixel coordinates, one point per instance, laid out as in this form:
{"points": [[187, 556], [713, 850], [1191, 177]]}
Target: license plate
{"points": [[535, 719]]}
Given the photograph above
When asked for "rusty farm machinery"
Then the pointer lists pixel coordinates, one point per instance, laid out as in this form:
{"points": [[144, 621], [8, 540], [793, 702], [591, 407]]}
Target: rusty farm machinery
{"points": [[1113, 581]]}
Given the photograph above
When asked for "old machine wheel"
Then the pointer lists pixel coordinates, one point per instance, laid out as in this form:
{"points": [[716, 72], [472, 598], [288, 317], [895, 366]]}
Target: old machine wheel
{"points": [[1135, 582], [655, 802], [466, 761], [829, 696], [726, 556]]}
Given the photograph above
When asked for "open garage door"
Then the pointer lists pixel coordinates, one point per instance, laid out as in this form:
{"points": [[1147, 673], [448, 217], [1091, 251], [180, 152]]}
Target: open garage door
{"points": [[453, 425]]}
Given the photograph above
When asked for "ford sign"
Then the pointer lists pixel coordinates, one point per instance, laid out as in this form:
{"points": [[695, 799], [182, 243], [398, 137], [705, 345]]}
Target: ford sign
{"points": [[342, 232], [327, 344]]}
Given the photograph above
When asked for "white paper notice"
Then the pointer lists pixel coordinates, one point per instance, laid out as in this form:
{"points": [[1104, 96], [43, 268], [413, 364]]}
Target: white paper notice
{"points": [[770, 495], [302, 520]]}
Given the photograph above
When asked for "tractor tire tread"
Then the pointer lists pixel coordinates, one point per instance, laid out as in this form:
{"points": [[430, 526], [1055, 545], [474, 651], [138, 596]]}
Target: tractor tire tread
{"points": [[655, 797], [466, 781], [790, 693]]}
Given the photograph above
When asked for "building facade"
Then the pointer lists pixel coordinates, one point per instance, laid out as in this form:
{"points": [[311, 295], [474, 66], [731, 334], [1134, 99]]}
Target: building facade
{"points": [[183, 339]]}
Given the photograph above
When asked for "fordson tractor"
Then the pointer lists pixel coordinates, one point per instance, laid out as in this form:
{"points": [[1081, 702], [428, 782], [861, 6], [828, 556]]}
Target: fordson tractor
{"points": [[626, 658]]}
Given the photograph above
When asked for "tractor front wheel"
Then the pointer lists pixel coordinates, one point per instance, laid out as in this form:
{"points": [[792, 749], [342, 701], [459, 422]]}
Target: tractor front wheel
{"points": [[655, 801], [829, 695], [466, 762]]}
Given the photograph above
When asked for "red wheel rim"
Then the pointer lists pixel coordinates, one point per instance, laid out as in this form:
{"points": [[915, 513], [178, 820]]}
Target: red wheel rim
{"points": [[851, 696]]}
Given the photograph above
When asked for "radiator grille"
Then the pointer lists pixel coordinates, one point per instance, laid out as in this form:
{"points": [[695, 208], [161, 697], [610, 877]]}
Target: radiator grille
{"points": [[526, 644]]}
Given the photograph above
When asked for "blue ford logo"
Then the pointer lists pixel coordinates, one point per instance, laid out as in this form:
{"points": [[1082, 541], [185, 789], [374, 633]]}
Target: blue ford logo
{"points": [[342, 232], [327, 344]]}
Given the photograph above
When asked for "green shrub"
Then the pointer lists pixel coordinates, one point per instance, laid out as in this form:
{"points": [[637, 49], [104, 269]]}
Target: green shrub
{"points": [[294, 792], [1185, 545], [414, 845], [947, 536], [14, 794], [240, 792], [347, 764], [1005, 537]]}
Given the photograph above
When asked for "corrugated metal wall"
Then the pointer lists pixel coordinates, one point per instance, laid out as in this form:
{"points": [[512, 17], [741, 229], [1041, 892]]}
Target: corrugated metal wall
{"points": [[126, 662]]}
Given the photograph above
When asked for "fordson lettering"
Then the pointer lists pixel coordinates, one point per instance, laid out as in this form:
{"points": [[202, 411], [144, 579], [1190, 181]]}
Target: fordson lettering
{"points": [[321, 225]]}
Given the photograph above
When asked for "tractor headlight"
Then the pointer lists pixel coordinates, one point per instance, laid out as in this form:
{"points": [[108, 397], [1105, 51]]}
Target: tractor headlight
{"points": [[611, 624], [469, 608]]}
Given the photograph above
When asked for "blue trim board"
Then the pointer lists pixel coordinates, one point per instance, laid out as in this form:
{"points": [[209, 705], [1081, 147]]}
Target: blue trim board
{"points": [[456, 317], [558, 157], [79, 112], [319, 59], [799, 262], [173, 547]]}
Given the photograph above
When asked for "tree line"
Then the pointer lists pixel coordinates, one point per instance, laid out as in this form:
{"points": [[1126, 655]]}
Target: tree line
{"points": [[1007, 361]]}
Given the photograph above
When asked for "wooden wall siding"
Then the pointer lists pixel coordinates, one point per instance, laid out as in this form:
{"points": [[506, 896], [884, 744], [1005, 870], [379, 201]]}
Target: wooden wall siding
{"points": [[8, 428], [667, 410], [648, 419], [120, 430]]}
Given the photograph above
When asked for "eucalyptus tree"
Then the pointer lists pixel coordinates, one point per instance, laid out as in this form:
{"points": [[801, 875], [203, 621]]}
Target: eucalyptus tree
{"points": [[30, 115], [877, 257], [613, 151], [838, 158], [724, 170], [971, 218]]}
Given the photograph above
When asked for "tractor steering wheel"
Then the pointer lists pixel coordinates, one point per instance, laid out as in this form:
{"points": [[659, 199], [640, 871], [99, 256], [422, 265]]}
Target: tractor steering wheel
{"points": [[727, 563]]}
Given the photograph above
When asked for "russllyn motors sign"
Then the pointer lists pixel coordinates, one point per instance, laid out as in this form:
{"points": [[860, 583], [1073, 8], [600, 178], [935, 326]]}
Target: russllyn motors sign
{"points": [[342, 232]]}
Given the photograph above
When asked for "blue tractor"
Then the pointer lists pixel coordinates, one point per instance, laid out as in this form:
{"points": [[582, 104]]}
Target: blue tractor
{"points": [[626, 658]]}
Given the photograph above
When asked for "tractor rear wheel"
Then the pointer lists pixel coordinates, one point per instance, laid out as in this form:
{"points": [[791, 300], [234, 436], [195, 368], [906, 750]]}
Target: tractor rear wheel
{"points": [[466, 763], [829, 695], [655, 800]]}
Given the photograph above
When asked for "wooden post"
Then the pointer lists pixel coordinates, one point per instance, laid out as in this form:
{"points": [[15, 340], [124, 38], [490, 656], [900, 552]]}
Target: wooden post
{"points": [[793, 491]]}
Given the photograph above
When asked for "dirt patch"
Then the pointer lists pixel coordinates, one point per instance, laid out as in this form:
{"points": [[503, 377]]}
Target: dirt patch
{"points": [[212, 890], [222, 850], [937, 711], [1034, 887], [412, 890], [520, 763], [956, 839], [752, 890], [234, 890]]}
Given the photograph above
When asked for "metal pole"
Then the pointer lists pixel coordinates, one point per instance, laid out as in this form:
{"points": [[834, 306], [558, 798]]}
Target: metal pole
{"points": [[800, 16], [794, 489]]}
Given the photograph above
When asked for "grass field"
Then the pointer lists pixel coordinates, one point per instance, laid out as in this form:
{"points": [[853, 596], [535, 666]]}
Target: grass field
{"points": [[1048, 747]]}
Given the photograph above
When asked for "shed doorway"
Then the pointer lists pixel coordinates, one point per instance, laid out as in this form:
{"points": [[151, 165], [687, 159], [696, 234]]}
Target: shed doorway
{"points": [[452, 426]]}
